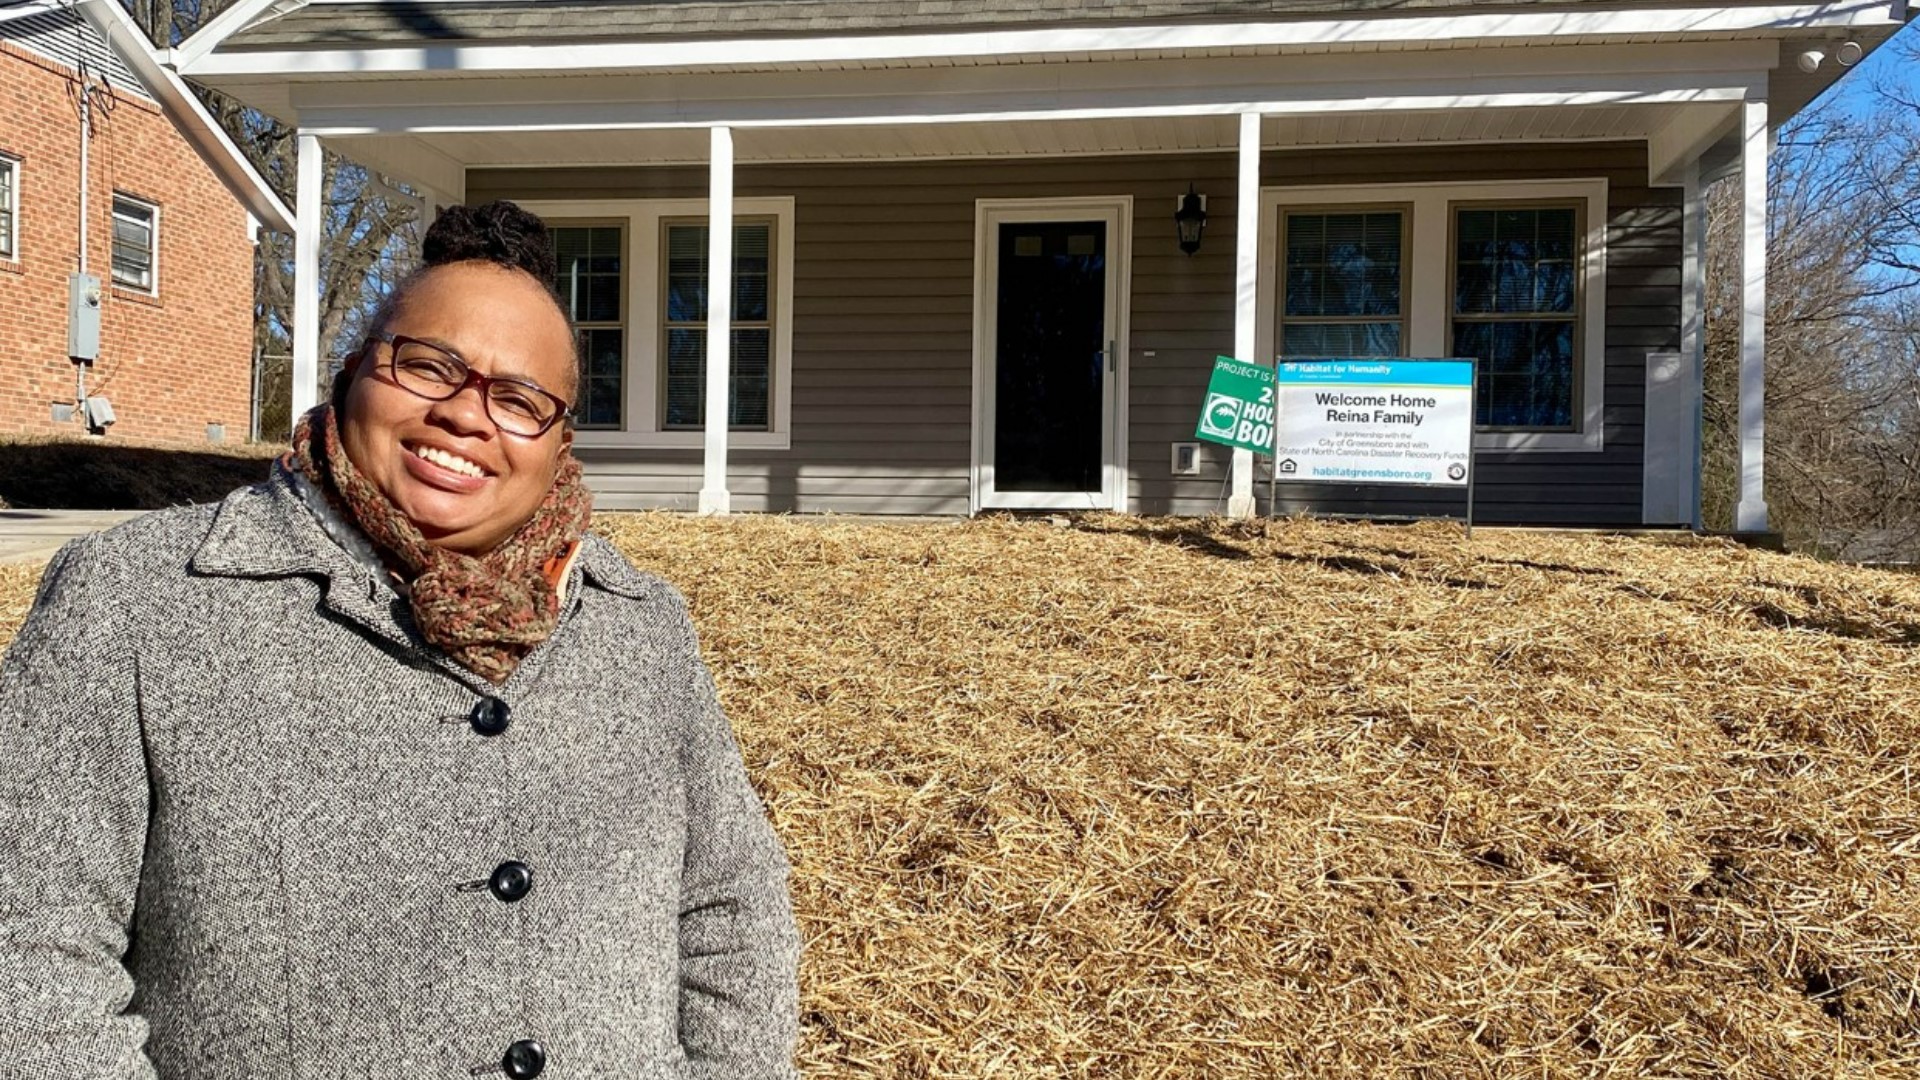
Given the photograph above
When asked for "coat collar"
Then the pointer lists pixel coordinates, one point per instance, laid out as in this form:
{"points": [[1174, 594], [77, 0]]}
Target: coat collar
{"points": [[266, 531]]}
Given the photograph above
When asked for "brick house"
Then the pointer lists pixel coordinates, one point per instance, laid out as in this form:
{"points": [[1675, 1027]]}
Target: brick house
{"points": [[956, 281], [169, 225]]}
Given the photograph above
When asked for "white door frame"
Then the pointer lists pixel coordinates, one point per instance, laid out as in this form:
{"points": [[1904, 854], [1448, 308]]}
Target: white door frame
{"points": [[1117, 212]]}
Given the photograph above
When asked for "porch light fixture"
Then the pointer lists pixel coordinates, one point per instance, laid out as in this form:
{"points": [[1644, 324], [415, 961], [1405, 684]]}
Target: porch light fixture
{"points": [[1191, 219]]}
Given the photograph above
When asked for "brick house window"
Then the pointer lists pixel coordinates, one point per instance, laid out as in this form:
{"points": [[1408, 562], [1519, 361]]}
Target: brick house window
{"points": [[136, 243], [9, 208]]}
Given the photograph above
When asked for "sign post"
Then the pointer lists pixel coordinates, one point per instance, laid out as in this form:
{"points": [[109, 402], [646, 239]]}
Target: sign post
{"points": [[1375, 421]]}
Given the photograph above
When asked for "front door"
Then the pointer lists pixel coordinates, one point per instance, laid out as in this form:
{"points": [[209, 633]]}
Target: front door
{"points": [[1049, 378]]}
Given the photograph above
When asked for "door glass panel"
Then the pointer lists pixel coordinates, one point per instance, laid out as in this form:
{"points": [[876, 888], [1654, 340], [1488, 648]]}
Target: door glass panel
{"points": [[1050, 365]]}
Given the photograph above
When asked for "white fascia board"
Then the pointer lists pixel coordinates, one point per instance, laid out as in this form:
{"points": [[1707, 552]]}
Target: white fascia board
{"points": [[726, 53], [242, 14], [1607, 75], [337, 123], [189, 117]]}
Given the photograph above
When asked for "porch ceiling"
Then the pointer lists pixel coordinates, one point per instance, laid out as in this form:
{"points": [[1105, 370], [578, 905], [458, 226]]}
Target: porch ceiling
{"points": [[413, 155]]}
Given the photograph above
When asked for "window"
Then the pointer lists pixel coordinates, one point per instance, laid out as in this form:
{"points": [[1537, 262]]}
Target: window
{"points": [[1509, 272], [684, 302], [634, 274], [1514, 309], [136, 227], [1341, 289], [9, 208], [590, 282]]}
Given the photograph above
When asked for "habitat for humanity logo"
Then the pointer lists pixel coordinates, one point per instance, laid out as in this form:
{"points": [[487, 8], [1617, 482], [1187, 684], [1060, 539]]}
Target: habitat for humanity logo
{"points": [[1221, 416]]}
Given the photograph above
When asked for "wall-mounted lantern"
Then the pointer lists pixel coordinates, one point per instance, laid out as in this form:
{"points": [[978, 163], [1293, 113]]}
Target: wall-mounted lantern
{"points": [[1191, 219]]}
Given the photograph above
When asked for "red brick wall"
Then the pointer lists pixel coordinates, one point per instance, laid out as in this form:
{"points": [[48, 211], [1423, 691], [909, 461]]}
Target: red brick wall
{"points": [[170, 363]]}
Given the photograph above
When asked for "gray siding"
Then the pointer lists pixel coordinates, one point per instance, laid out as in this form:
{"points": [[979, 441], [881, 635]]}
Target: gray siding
{"points": [[883, 361]]}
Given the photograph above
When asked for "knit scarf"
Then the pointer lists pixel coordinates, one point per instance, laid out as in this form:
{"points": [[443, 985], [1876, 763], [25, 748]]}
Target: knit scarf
{"points": [[486, 612]]}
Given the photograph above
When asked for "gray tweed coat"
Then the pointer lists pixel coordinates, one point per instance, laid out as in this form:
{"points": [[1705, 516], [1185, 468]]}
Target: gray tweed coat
{"points": [[252, 827]]}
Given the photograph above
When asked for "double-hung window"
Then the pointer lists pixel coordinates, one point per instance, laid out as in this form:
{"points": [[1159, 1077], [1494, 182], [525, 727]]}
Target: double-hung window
{"points": [[136, 243], [1515, 308], [1342, 289], [590, 259], [633, 274], [9, 208], [684, 326], [1511, 273]]}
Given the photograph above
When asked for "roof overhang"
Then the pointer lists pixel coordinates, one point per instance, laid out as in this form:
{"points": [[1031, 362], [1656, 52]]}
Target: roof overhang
{"points": [[1673, 77], [189, 117], [211, 59]]}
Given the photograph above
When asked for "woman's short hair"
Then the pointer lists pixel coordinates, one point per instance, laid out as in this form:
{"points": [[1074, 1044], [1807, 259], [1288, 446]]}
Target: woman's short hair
{"points": [[499, 232]]}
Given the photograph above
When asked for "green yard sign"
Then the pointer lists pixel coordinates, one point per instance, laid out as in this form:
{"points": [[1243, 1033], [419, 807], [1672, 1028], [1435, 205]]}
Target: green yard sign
{"points": [[1239, 408]]}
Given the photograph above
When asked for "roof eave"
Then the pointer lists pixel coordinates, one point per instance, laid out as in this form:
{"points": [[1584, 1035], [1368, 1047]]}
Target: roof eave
{"points": [[189, 117]]}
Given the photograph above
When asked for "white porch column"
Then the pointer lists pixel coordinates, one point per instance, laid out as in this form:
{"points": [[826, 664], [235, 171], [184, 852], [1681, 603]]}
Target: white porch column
{"points": [[1693, 325], [714, 497], [1750, 515], [309, 200], [1246, 272]]}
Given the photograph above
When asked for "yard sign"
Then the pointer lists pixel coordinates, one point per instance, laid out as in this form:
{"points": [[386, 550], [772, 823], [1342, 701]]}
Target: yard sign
{"points": [[1239, 408], [1375, 422]]}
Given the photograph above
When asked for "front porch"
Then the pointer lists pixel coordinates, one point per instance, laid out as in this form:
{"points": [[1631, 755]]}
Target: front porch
{"points": [[878, 178]]}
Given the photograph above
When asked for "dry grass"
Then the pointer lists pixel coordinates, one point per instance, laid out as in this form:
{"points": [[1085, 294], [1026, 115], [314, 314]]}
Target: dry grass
{"points": [[1174, 799]]}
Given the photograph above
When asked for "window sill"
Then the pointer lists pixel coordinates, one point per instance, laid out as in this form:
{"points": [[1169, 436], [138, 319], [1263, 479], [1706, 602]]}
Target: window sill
{"points": [[12, 266], [679, 440], [122, 292], [1552, 441]]}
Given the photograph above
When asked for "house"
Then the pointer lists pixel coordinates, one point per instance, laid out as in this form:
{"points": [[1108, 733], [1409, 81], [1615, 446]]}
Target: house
{"points": [[164, 313], [944, 232]]}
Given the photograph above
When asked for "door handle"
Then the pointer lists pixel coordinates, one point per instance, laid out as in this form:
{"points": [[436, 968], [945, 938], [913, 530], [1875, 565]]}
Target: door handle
{"points": [[1109, 356]]}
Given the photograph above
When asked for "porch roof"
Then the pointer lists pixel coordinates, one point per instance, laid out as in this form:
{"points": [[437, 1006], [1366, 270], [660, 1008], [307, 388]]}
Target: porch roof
{"points": [[323, 24]]}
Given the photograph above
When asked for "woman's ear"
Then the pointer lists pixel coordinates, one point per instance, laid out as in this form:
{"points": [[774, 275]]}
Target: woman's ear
{"points": [[349, 367]]}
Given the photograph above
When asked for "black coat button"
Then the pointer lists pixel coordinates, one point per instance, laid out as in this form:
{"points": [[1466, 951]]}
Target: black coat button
{"points": [[524, 1060], [511, 880], [489, 716]]}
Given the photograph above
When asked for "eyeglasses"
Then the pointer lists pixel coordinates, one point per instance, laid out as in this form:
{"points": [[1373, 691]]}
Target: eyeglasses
{"points": [[515, 406]]}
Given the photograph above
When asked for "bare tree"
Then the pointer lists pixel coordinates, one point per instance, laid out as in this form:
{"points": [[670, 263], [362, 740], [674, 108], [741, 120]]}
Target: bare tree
{"points": [[369, 235], [1843, 333]]}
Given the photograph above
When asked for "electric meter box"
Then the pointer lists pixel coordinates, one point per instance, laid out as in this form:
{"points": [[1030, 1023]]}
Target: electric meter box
{"points": [[83, 318]]}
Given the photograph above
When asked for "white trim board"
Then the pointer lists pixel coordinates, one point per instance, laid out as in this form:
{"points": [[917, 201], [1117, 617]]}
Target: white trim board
{"points": [[642, 269], [332, 123], [1427, 276], [1303, 86], [1124, 37]]}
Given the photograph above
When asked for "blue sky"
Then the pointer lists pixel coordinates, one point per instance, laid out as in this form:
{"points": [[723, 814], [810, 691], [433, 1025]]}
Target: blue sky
{"points": [[1891, 64]]}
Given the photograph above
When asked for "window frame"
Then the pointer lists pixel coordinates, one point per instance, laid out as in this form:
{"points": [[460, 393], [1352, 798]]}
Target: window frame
{"points": [[1579, 294], [770, 323], [1403, 317], [623, 324], [645, 371], [1427, 294], [152, 287], [10, 237]]}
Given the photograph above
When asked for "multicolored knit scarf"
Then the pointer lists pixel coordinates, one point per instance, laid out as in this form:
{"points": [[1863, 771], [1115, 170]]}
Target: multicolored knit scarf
{"points": [[485, 612]]}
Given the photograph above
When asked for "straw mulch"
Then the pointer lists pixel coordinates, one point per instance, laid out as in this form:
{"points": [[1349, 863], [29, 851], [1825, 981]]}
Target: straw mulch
{"points": [[1134, 798]]}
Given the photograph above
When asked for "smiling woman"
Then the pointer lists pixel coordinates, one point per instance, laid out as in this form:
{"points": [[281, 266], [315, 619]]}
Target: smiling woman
{"points": [[390, 760]]}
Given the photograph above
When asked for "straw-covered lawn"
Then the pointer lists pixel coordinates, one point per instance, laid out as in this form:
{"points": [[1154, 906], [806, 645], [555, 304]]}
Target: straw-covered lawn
{"points": [[1139, 798]]}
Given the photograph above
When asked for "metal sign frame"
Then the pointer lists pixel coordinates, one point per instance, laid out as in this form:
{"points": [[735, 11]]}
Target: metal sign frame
{"points": [[1473, 398]]}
